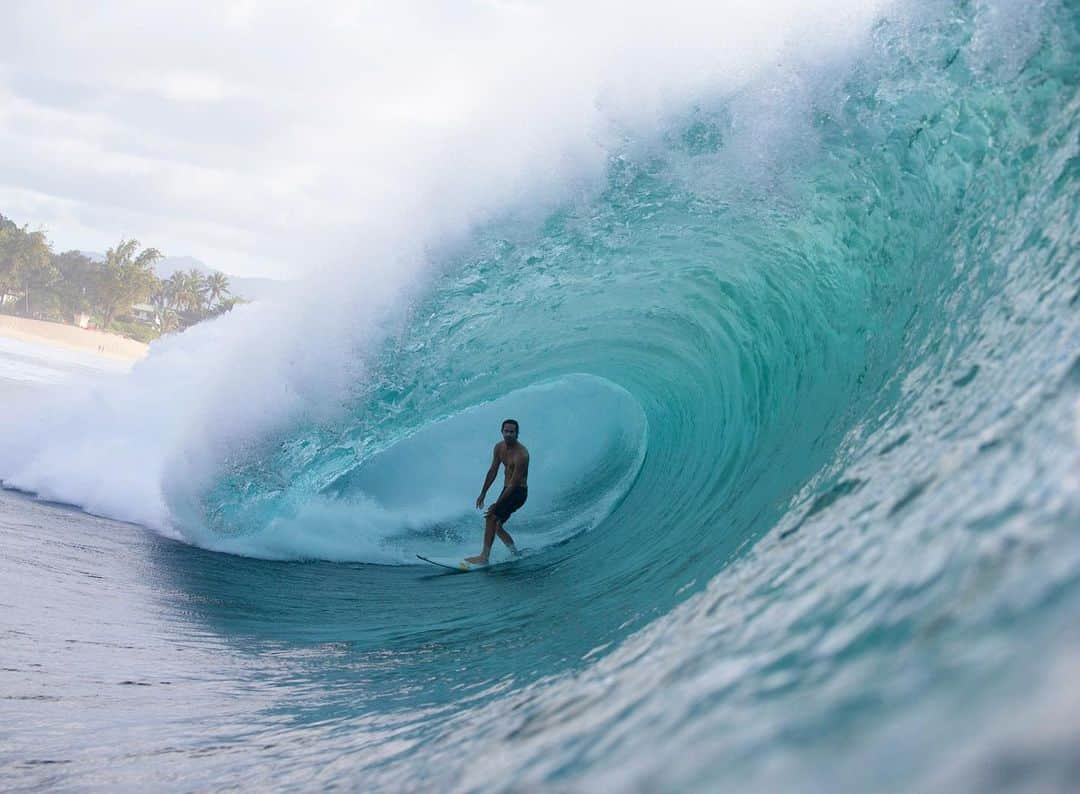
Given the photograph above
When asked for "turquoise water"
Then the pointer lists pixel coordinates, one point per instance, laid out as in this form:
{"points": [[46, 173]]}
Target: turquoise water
{"points": [[801, 384]]}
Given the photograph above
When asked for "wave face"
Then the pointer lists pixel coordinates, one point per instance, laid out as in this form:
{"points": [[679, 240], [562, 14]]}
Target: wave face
{"points": [[799, 379]]}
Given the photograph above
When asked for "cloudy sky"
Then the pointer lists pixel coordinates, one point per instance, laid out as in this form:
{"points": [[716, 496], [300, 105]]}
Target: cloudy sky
{"points": [[260, 136], [219, 134]]}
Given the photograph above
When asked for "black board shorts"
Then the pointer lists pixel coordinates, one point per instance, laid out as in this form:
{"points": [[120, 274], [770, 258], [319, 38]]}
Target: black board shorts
{"points": [[514, 500]]}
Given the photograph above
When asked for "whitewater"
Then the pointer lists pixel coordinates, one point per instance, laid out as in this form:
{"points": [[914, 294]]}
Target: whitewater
{"points": [[787, 304]]}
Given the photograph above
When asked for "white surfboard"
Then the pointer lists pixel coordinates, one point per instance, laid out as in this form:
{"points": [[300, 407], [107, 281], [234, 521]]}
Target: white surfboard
{"points": [[458, 564], [453, 563]]}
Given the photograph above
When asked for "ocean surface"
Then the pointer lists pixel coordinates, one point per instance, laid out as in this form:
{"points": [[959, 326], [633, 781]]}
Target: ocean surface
{"points": [[799, 370]]}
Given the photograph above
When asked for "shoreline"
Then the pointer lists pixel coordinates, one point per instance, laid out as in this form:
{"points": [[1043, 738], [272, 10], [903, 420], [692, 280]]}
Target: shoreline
{"points": [[71, 337]]}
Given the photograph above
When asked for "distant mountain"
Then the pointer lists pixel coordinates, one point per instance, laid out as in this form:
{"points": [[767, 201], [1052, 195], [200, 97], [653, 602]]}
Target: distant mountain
{"points": [[168, 265], [248, 288]]}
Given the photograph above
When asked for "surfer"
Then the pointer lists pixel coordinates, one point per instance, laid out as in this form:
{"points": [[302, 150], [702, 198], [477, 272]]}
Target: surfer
{"points": [[512, 454]]}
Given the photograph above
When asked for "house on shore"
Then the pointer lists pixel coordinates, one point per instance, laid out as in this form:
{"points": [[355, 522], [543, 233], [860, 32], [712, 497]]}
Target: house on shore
{"points": [[144, 313]]}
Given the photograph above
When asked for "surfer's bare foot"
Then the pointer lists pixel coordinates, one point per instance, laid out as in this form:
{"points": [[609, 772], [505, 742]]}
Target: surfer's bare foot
{"points": [[477, 560]]}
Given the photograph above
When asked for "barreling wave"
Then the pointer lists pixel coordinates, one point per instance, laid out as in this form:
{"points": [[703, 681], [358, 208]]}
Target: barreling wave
{"points": [[758, 312], [798, 376]]}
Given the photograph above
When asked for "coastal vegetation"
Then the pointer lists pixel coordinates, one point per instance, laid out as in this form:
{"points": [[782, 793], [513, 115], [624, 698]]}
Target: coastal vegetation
{"points": [[120, 293]]}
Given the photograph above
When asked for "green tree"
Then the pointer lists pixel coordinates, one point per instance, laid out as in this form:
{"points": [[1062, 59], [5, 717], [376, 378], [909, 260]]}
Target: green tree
{"points": [[8, 230], [127, 278], [226, 305], [25, 261], [79, 284], [165, 303], [195, 291], [217, 288], [173, 290]]}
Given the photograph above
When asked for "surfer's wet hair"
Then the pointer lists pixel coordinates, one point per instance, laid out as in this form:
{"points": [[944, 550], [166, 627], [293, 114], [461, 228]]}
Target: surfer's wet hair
{"points": [[510, 422]]}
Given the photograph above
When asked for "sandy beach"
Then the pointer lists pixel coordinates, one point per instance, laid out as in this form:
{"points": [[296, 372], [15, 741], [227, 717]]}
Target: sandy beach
{"points": [[72, 338]]}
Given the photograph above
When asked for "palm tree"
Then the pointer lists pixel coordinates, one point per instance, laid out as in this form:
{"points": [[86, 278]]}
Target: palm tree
{"points": [[226, 305], [173, 289], [164, 301], [217, 287], [195, 291]]}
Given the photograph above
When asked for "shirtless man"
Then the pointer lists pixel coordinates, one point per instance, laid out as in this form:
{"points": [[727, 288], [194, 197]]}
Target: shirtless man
{"points": [[513, 455]]}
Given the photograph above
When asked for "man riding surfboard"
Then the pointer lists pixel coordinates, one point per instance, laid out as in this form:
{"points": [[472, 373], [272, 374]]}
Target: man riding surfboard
{"points": [[512, 454]]}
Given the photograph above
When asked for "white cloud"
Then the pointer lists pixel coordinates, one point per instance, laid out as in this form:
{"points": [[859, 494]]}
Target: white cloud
{"points": [[193, 87]]}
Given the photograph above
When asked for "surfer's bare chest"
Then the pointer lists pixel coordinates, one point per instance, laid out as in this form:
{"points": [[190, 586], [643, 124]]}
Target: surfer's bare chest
{"points": [[511, 459]]}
